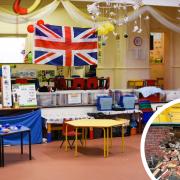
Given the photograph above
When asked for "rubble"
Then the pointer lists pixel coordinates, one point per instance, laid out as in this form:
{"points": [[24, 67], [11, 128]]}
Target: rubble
{"points": [[167, 166]]}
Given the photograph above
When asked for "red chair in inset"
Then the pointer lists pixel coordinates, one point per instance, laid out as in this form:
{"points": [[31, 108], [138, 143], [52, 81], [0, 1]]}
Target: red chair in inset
{"points": [[70, 134], [78, 84], [21, 81], [92, 83], [60, 83]]}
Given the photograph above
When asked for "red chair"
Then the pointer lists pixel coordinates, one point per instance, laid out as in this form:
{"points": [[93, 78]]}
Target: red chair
{"points": [[107, 84], [78, 84], [21, 81], [104, 83], [92, 83], [70, 134], [60, 83]]}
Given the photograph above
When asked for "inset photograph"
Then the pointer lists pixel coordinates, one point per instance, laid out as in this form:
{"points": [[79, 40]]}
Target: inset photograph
{"points": [[162, 145]]}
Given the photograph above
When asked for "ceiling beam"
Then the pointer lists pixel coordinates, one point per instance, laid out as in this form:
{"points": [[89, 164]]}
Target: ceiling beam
{"points": [[169, 3]]}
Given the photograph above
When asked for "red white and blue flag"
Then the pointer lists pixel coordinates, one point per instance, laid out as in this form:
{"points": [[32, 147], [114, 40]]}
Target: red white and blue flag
{"points": [[65, 46]]}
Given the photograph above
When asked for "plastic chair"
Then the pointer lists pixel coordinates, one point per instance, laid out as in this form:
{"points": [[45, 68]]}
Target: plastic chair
{"points": [[78, 84], [70, 134], [104, 83], [92, 83], [107, 84], [60, 83]]}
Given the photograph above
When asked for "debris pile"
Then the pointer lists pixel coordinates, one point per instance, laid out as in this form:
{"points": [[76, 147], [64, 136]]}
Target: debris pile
{"points": [[167, 165]]}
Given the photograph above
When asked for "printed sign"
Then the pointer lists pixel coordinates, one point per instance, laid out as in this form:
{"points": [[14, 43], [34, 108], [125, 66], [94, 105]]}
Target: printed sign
{"points": [[6, 86], [74, 98]]}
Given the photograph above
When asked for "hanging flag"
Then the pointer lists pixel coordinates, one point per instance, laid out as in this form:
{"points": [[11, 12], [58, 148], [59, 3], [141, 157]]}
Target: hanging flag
{"points": [[65, 46]]}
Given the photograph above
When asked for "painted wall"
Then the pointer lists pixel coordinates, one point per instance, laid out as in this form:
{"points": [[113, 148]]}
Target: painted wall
{"points": [[122, 61]]}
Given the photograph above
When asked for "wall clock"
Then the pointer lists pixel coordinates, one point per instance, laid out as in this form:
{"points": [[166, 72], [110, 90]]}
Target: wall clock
{"points": [[138, 41]]}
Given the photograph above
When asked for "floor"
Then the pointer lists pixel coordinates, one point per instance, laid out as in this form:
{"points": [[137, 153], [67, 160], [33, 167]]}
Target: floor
{"points": [[51, 163]]}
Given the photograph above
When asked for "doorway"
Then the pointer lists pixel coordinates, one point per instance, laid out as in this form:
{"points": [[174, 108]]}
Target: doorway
{"points": [[156, 58]]}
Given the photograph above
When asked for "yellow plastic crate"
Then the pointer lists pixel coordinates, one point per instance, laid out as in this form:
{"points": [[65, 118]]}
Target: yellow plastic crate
{"points": [[139, 83]]}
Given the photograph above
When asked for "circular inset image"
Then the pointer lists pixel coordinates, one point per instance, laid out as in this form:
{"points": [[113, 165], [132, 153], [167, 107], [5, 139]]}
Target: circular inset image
{"points": [[160, 143]]}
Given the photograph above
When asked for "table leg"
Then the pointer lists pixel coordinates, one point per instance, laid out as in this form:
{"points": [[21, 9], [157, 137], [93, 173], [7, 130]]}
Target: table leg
{"points": [[49, 135], [66, 143], [122, 138], [21, 142], [30, 153], [83, 136], [104, 129], [111, 136], [0, 152], [76, 140], [107, 142]]}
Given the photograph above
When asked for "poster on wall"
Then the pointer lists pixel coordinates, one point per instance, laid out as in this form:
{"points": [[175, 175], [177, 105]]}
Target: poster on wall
{"points": [[44, 75], [26, 94], [6, 86]]}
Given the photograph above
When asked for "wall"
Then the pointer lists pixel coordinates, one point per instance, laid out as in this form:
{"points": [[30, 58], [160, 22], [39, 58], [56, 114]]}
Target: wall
{"points": [[171, 55], [122, 61]]}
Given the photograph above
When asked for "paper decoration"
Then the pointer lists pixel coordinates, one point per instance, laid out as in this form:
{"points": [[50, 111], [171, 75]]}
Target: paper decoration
{"points": [[6, 86]]}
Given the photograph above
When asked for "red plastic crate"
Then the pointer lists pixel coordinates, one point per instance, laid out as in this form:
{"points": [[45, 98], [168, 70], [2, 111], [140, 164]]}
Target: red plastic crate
{"points": [[152, 98]]}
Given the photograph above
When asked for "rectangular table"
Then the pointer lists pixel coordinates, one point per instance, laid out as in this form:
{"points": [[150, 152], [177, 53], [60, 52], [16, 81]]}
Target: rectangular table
{"points": [[19, 131], [105, 124]]}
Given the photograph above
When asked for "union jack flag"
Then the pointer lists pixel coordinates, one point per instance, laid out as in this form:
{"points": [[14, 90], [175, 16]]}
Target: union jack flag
{"points": [[65, 46]]}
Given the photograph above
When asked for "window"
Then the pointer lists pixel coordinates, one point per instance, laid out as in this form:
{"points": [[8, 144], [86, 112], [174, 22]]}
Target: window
{"points": [[12, 49]]}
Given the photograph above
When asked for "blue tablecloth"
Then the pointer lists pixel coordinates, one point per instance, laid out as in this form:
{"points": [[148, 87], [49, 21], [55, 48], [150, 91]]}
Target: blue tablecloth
{"points": [[31, 120]]}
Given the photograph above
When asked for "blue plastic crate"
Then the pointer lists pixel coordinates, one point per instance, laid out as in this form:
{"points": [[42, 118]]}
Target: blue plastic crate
{"points": [[147, 116], [127, 101], [104, 103]]}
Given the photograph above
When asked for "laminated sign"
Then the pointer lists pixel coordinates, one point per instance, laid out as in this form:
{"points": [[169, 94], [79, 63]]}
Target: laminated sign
{"points": [[6, 86]]}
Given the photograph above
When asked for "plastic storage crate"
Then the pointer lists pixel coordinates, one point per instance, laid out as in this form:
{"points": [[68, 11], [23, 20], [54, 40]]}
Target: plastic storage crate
{"points": [[127, 101], [152, 98], [45, 99], [61, 99], [104, 103], [146, 116]]}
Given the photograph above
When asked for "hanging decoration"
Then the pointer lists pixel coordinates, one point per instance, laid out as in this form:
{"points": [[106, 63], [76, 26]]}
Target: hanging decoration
{"points": [[22, 11], [83, 19], [8, 17], [30, 28]]}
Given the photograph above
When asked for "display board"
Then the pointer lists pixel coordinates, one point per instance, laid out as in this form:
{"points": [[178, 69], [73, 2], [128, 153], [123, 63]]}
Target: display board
{"points": [[24, 94]]}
